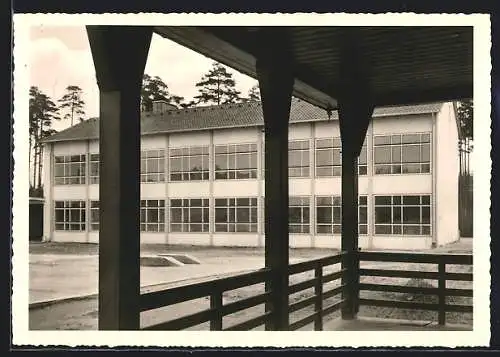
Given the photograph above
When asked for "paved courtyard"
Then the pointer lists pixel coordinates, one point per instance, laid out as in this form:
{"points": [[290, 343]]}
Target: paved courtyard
{"points": [[59, 271], [65, 275]]}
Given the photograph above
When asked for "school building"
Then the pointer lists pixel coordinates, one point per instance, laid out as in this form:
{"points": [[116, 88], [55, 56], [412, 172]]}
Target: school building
{"points": [[202, 177]]}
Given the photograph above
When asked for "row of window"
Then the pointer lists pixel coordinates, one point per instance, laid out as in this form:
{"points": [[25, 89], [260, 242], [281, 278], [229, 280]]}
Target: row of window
{"points": [[398, 215], [392, 154]]}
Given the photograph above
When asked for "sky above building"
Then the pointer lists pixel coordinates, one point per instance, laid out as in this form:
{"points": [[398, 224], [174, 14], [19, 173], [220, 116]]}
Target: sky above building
{"points": [[60, 56]]}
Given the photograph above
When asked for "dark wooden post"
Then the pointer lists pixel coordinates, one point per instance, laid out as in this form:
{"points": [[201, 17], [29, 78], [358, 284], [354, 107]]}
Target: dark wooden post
{"points": [[276, 85], [442, 293], [119, 54], [355, 112]]}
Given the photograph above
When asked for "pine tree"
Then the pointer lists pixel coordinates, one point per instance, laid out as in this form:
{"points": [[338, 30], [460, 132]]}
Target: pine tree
{"points": [[217, 87], [154, 88], [254, 93], [72, 103], [465, 113], [42, 113]]}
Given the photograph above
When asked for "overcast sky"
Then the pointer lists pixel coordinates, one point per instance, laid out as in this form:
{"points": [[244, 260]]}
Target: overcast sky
{"points": [[60, 56]]}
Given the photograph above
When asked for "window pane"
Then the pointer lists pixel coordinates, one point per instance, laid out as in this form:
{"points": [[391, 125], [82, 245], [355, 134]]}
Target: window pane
{"points": [[411, 168], [411, 230], [382, 169], [379, 140], [396, 214], [411, 153], [196, 215], [220, 215], [382, 229], [426, 200], [396, 139], [426, 215], [324, 157], [323, 201], [382, 200], [152, 216], [411, 138], [382, 214], [411, 214], [322, 143], [411, 200], [323, 229], [426, 153], [243, 215], [396, 154], [324, 214], [382, 155], [295, 215]]}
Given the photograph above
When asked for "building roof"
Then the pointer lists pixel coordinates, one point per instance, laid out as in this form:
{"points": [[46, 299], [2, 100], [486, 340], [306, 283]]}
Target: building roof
{"points": [[227, 116]]}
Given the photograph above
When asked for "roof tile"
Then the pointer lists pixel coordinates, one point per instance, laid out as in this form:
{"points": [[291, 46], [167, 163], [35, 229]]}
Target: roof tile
{"points": [[226, 116]]}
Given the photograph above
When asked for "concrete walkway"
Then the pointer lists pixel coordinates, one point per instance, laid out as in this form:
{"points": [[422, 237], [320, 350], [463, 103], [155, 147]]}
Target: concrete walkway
{"points": [[56, 276]]}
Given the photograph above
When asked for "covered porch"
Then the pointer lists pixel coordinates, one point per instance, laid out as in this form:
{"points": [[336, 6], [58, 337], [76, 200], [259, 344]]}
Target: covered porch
{"points": [[349, 69]]}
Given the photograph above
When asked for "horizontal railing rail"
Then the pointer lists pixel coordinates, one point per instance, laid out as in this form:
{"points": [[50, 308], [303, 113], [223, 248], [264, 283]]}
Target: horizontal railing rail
{"points": [[214, 290], [441, 276]]}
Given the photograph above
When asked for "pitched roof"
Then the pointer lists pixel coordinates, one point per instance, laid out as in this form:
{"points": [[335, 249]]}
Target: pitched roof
{"points": [[226, 116]]}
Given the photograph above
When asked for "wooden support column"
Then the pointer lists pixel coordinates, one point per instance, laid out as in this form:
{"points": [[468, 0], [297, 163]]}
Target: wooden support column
{"points": [[119, 54], [276, 85], [355, 112]]}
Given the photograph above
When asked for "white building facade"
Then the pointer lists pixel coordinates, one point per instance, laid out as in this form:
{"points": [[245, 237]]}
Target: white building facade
{"points": [[202, 178]]}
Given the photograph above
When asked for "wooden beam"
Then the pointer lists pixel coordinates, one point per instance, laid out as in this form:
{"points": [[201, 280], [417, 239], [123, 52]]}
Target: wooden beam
{"points": [[276, 85], [355, 112], [119, 54]]}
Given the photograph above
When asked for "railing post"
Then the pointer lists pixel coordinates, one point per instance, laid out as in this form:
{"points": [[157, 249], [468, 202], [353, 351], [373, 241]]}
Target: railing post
{"points": [[216, 305], [318, 292], [442, 293]]}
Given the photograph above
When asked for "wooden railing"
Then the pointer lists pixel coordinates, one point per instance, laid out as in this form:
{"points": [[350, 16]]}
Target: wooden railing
{"points": [[214, 290], [319, 272], [319, 296], [441, 276]]}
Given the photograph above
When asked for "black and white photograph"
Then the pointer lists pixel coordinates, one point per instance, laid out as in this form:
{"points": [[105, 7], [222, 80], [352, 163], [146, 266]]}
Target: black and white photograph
{"points": [[251, 180]]}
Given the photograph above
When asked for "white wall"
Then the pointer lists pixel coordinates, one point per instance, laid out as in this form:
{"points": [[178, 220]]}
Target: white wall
{"points": [[47, 192], [447, 170]]}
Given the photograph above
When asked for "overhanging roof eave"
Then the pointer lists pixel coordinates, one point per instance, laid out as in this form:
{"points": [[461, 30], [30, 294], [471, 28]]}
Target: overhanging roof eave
{"points": [[212, 47]]}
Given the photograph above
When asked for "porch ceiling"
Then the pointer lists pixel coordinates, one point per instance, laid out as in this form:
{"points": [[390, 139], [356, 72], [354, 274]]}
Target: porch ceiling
{"points": [[403, 65]]}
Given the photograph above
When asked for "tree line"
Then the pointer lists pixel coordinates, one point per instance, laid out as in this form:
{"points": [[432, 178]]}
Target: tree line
{"points": [[215, 87]]}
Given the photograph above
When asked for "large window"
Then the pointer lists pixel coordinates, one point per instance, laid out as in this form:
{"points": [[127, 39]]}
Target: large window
{"points": [[329, 158], [94, 215], [189, 164], [235, 161], [152, 215], [189, 215], [402, 153], [298, 158], [236, 215], [153, 166], [298, 215], [94, 168], [329, 215], [69, 215], [403, 215], [69, 170]]}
